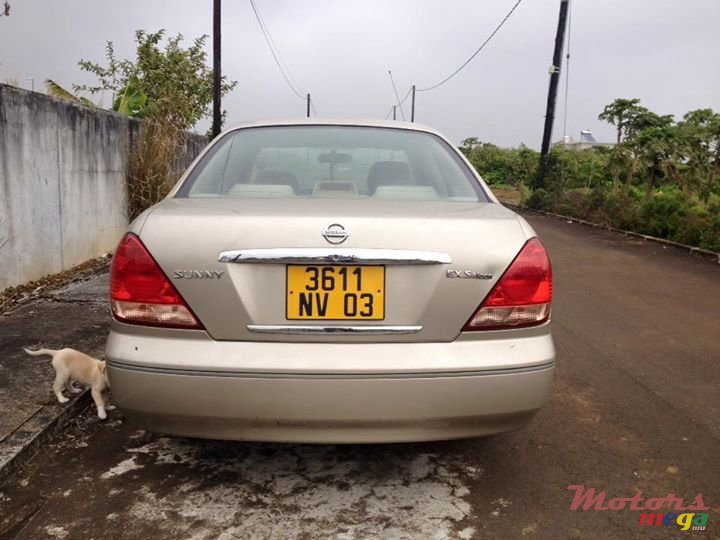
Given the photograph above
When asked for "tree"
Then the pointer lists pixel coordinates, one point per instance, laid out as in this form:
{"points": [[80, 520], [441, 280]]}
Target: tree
{"points": [[645, 140], [657, 146], [171, 88], [622, 113], [652, 138], [171, 82], [699, 137], [468, 145]]}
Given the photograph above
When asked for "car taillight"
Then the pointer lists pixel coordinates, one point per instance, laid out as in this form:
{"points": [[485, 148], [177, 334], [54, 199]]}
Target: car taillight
{"points": [[140, 293], [521, 297]]}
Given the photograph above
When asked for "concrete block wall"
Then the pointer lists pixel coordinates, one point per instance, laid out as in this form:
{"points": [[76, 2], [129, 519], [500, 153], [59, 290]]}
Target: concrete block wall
{"points": [[62, 183]]}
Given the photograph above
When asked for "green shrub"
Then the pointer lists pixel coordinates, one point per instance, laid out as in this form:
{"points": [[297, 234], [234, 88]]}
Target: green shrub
{"points": [[541, 200], [669, 214], [663, 214], [620, 211], [691, 230], [573, 202]]}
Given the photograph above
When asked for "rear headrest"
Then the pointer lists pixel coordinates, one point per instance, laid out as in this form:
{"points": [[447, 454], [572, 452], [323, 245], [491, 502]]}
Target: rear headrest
{"points": [[261, 191], [406, 193], [277, 178], [388, 173]]}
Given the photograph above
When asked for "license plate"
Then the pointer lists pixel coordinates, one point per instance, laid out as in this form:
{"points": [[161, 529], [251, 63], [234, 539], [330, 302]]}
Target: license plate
{"points": [[335, 292]]}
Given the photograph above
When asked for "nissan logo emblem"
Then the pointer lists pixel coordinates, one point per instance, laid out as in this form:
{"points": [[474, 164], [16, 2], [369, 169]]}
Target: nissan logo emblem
{"points": [[335, 233]]}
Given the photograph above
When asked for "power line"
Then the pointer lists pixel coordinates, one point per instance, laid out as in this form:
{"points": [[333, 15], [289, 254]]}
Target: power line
{"points": [[446, 79], [397, 97], [274, 46], [400, 102], [406, 96], [275, 53]]}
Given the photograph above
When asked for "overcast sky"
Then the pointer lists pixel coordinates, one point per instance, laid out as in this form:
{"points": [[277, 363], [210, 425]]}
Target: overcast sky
{"points": [[665, 52]]}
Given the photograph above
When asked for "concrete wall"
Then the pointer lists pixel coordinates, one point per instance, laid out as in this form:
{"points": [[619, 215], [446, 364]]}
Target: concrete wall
{"points": [[62, 183]]}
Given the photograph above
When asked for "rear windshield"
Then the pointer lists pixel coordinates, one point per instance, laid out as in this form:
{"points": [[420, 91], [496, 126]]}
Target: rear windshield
{"points": [[333, 162]]}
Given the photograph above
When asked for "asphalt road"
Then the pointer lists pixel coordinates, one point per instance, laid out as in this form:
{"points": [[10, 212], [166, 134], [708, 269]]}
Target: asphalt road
{"points": [[635, 407]]}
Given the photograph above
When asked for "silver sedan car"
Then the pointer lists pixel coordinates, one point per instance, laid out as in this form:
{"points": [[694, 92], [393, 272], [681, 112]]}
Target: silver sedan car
{"points": [[332, 281]]}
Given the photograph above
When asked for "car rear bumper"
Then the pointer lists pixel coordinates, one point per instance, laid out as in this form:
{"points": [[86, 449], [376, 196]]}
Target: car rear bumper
{"points": [[165, 386]]}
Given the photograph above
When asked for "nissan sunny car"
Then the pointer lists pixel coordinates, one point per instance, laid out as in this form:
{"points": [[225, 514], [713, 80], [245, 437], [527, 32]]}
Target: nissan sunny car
{"points": [[330, 282]]}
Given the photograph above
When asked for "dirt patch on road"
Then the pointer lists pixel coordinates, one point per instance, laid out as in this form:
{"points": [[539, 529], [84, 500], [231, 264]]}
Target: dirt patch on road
{"points": [[14, 296]]}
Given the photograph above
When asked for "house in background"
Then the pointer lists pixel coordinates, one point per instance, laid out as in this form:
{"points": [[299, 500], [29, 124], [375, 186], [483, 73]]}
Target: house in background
{"points": [[587, 140]]}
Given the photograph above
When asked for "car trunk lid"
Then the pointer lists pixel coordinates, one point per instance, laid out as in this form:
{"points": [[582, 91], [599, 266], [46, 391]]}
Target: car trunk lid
{"points": [[240, 264]]}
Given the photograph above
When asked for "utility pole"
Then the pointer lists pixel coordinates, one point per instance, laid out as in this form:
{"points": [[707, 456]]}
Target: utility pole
{"points": [[308, 105], [217, 75], [412, 107], [394, 112], [552, 92]]}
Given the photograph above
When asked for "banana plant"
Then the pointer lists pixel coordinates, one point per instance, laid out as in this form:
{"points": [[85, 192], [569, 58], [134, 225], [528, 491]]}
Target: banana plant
{"points": [[131, 101], [55, 90]]}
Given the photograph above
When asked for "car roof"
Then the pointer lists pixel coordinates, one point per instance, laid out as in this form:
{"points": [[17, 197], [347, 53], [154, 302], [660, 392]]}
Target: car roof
{"points": [[362, 122]]}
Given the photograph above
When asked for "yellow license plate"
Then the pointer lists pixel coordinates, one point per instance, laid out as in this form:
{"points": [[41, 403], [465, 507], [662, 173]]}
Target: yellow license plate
{"points": [[335, 292]]}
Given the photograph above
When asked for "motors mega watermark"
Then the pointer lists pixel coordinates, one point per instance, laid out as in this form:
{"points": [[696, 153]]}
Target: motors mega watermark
{"points": [[684, 517]]}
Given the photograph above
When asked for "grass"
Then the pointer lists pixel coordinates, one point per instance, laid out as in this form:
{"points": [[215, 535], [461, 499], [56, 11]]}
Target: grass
{"points": [[508, 194], [151, 172]]}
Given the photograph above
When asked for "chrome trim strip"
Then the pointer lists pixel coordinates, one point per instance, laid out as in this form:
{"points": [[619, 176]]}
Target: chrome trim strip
{"points": [[324, 375], [333, 255], [322, 329]]}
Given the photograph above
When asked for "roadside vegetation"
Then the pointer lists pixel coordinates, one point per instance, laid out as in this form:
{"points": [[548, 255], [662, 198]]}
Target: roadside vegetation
{"points": [[661, 178], [170, 88]]}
